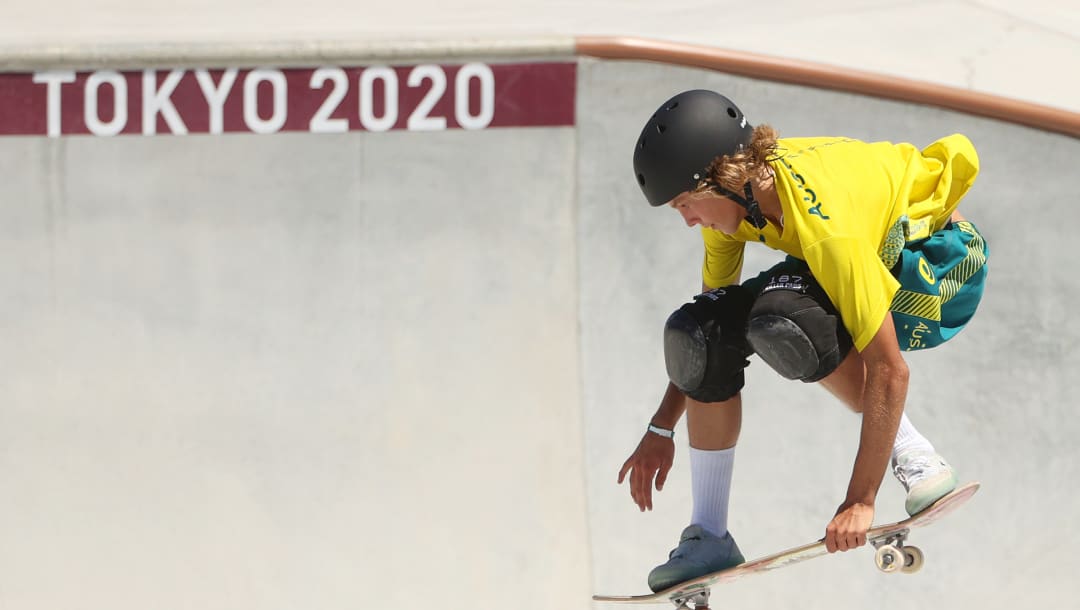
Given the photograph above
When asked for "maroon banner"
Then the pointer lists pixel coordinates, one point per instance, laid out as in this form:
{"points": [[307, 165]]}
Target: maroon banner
{"points": [[426, 97]]}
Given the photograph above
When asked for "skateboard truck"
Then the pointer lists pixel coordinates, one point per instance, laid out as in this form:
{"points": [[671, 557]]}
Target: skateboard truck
{"points": [[700, 599], [892, 555]]}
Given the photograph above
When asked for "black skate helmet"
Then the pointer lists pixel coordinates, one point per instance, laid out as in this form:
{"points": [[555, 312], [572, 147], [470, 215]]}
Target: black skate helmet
{"points": [[682, 138]]}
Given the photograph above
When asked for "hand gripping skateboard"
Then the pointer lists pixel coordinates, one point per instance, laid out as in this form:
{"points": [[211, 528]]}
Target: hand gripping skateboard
{"points": [[892, 555]]}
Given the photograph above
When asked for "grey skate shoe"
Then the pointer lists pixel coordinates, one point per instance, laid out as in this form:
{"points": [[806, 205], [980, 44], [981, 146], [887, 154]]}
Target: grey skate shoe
{"points": [[698, 554], [926, 477]]}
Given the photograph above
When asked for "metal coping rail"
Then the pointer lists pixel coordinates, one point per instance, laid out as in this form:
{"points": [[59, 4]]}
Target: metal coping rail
{"points": [[822, 76]]}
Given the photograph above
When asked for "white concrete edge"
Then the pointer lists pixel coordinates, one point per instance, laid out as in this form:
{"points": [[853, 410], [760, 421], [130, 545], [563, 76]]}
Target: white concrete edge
{"points": [[27, 58]]}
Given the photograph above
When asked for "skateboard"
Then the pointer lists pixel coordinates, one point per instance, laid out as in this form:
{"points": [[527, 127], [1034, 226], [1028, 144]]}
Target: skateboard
{"points": [[892, 555]]}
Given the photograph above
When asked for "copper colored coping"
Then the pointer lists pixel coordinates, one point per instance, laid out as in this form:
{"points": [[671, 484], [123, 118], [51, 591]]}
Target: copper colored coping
{"points": [[828, 77]]}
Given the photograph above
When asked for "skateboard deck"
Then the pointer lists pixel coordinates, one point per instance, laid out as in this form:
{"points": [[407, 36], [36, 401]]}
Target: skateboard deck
{"points": [[891, 555]]}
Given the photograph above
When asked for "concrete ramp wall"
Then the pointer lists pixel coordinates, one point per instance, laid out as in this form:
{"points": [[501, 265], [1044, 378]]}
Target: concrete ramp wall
{"points": [[291, 371], [385, 368]]}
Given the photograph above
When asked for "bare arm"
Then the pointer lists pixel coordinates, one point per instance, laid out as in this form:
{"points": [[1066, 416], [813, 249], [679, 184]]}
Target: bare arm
{"points": [[882, 405], [671, 408], [655, 454]]}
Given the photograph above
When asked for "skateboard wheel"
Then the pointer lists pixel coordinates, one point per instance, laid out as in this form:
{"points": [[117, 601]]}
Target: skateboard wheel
{"points": [[913, 559], [889, 558]]}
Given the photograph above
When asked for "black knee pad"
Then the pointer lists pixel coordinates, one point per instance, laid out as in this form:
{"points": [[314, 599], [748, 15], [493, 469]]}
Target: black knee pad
{"points": [[796, 330], [705, 348]]}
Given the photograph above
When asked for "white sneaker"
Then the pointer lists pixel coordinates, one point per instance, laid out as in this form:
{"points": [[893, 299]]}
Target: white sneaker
{"points": [[926, 476]]}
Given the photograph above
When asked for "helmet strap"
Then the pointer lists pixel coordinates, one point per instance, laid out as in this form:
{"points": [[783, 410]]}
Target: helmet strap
{"points": [[747, 200]]}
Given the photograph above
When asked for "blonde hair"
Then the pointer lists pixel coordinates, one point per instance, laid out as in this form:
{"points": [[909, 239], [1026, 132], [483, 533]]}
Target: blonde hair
{"points": [[731, 172]]}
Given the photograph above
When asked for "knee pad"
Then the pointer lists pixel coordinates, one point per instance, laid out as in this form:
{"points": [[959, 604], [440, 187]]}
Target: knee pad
{"points": [[796, 330], [705, 348]]}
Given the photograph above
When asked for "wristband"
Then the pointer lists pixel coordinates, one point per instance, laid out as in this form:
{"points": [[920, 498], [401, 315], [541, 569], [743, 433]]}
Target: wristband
{"points": [[664, 432]]}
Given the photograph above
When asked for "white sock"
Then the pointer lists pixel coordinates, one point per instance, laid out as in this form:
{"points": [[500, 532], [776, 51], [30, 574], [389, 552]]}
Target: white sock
{"points": [[908, 438], [710, 477]]}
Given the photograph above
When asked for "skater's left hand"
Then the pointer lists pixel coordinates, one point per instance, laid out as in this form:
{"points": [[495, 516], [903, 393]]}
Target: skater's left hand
{"points": [[848, 528]]}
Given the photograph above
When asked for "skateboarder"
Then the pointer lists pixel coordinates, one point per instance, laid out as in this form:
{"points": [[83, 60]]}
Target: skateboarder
{"points": [[879, 261]]}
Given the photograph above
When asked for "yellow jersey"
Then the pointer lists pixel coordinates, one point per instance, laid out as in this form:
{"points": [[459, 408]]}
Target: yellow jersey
{"points": [[848, 209]]}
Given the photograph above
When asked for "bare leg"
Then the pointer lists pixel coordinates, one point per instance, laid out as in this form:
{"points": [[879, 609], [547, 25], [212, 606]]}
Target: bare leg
{"points": [[847, 381], [716, 425]]}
